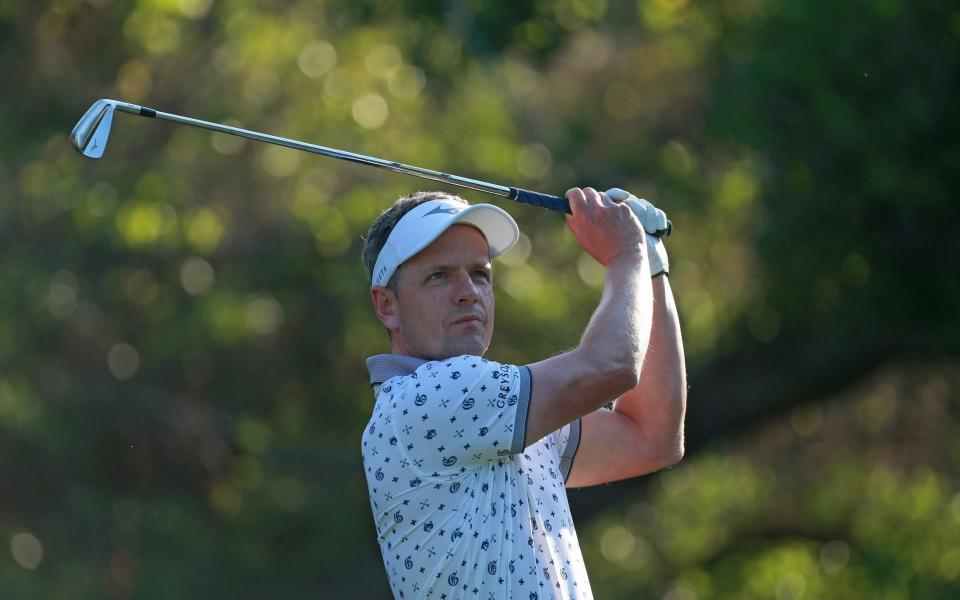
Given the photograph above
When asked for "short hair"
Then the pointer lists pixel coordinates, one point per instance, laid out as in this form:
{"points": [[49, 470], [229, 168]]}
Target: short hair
{"points": [[383, 225]]}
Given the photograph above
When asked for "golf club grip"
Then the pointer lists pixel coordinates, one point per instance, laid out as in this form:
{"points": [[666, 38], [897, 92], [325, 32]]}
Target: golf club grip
{"points": [[556, 203], [562, 205]]}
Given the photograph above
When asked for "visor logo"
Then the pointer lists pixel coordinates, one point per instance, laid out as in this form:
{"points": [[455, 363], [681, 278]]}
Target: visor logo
{"points": [[445, 210]]}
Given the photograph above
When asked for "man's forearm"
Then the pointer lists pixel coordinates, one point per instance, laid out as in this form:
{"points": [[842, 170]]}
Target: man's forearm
{"points": [[619, 331], [658, 403]]}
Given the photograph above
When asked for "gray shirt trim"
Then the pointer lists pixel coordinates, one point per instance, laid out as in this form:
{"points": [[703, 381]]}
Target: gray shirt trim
{"points": [[523, 411], [573, 444], [384, 366]]}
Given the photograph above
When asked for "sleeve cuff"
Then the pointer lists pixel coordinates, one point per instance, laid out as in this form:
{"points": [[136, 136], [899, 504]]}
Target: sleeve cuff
{"points": [[523, 411]]}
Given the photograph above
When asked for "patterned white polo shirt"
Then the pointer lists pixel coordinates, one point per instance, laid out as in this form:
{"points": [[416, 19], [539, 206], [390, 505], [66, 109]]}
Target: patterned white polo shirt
{"points": [[462, 509]]}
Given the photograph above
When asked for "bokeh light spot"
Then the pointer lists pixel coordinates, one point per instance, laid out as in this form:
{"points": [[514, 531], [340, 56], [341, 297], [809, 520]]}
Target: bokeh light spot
{"points": [[144, 223], [123, 361], [263, 315], [676, 159], [791, 586], [253, 435], [101, 198], [617, 543], [661, 14], [225, 143], [523, 282], [681, 591], [590, 271], [317, 58], [834, 556], [134, 81], [62, 294], [519, 254], [738, 188], [406, 82], [160, 35], [370, 111], [331, 231], [280, 161], [534, 161], [196, 276], [26, 549], [383, 60], [194, 9], [205, 229]]}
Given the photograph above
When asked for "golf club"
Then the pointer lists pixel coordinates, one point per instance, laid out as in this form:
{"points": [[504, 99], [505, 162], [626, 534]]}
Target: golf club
{"points": [[92, 131]]}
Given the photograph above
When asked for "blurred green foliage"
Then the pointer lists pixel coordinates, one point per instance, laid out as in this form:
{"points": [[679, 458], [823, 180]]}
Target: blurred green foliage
{"points": [[853, 496], [183, 323]]}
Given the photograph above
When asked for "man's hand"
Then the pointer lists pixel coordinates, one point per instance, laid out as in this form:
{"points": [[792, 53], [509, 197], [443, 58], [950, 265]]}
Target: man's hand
{"points": [[605, 229], [653, 221]]}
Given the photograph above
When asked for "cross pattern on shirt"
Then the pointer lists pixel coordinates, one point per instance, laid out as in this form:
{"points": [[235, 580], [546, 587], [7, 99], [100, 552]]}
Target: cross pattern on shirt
{"points": [[445, 512]]}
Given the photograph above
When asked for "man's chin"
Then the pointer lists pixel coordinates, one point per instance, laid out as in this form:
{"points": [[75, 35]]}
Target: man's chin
{"points": [[473, 347]]}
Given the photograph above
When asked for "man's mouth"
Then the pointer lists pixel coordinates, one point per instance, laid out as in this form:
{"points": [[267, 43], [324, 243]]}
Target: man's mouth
{"points": [[469, 319]]}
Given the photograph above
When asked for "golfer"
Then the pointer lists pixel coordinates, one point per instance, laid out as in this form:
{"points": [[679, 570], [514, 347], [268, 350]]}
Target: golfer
{"points": [[467, 459]]}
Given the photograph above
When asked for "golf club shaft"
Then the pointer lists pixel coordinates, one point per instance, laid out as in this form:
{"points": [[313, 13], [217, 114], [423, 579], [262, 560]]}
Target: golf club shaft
{"points": [[556, 203]]}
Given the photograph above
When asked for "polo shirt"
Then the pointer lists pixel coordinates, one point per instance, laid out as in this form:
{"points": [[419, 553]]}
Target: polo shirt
{"points": [[462, 508]]}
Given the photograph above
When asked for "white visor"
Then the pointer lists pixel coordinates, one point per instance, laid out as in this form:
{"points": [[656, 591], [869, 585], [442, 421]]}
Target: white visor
{"points": [[419, 227]]}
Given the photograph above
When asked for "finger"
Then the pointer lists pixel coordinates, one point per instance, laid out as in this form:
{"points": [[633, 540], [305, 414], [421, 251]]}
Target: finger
{"points": [[617, 195], [639, 209], [594, 199], [578, 203], [659, 220]]}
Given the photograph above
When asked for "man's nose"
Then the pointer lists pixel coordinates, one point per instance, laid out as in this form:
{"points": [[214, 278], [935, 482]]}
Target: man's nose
{"points": [[466, 289]]}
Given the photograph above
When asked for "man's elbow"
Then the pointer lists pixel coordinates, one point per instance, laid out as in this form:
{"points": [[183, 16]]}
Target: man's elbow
{"points": [[672, 446], [673, 452], [665, 453], [675, 446]]}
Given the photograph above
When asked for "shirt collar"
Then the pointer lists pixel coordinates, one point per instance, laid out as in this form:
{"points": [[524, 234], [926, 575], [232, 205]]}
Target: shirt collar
{"points": [[384, 366]]}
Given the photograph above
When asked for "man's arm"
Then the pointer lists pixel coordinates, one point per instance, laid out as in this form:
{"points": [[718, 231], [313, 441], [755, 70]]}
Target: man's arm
{"points": [[608, 361], [644, 431]]}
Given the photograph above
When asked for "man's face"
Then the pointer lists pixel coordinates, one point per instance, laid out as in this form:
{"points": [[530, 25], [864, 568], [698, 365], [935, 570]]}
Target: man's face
{"points": [[444, 301]]}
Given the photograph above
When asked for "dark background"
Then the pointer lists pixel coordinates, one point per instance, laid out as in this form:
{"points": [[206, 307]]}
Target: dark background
{"points": [[183, 323]]}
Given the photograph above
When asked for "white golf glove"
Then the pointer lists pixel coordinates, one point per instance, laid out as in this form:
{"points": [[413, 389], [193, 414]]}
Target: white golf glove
{"points": [[653, 221]]}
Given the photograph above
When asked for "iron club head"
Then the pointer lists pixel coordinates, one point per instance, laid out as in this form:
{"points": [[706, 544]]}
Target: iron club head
{"points": [[90, 134]]}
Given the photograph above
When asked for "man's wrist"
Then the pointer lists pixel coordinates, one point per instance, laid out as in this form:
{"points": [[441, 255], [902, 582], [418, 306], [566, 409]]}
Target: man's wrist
{"points": [[657, 251], [629, 259]]}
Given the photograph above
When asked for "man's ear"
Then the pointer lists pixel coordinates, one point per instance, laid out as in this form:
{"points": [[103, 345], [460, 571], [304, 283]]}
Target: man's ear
{"points": [[385, 305]]}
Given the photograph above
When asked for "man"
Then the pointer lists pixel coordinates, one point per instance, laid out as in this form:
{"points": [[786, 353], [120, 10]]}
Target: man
{"points": [[467, 459]]}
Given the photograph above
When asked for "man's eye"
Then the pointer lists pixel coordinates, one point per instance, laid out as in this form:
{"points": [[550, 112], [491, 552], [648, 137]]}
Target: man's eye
{"points": [[484, 275], [436, 276]]}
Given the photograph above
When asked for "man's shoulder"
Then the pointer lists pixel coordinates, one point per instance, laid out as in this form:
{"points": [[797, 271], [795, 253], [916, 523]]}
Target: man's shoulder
{"points": [[384, 367], [461, 370], [456, 376]]}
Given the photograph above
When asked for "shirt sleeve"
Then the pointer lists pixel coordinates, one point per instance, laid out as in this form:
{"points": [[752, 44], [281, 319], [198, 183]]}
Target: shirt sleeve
{"points": [[457, 413]]}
